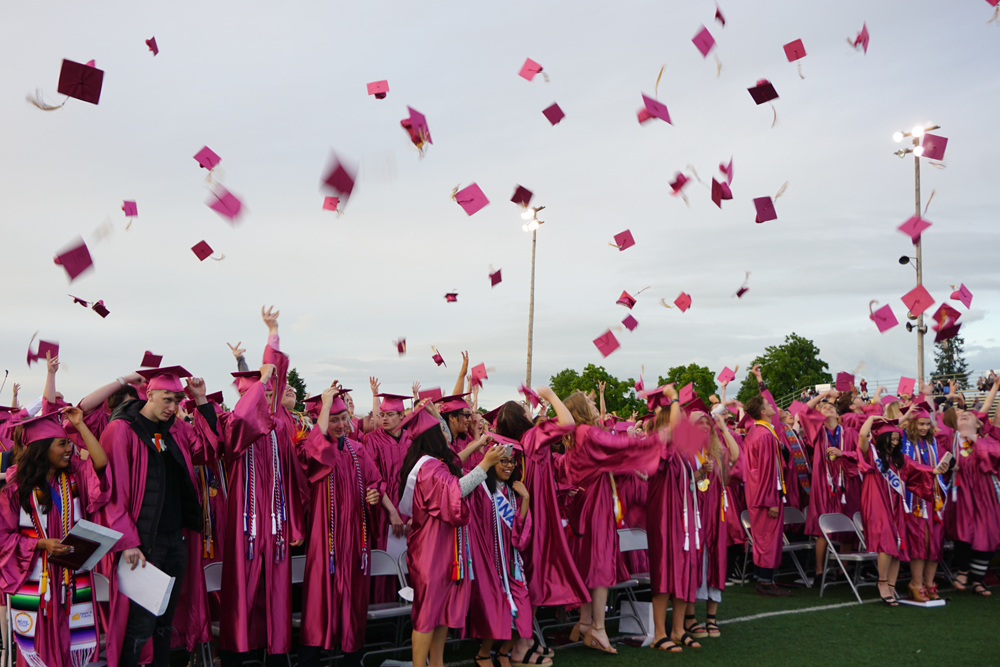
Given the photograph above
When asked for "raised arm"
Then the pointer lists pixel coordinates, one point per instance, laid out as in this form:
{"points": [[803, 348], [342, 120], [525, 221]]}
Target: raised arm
{"points": [[323, 423], [734, 449], [239, 353], [51, 367], [563, 416], [460, 383], [376, 406], [600, 387], [96, 398], [863, 435], [97, 456], [13, 401], [815, 400], [991, 396], [416, 393]]}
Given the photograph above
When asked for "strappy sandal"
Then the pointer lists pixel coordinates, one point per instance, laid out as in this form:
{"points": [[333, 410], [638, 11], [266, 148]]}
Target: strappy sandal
{"points": [[498, 655], [578, 633], [672, 648], [479, 658], [687, 640], [530, 658], [979, 589], [891, 598], [932, 592], [712, 627], [961, 585], [537, 649], [591, 642], [695, 629]]}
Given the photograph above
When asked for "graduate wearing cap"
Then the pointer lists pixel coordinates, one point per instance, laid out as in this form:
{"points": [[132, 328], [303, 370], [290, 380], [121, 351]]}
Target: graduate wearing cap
{"points": [[594, 457], [887, 477], [463, 427], [155, 505], [344, 484], [264, 512], [924, 522], [438, 553], [974, 444], [50, 490], [386, 446]]}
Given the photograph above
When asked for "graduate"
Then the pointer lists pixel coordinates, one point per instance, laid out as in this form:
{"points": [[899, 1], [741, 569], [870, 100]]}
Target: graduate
{"points": [[887, 476], [155, 505], [344, 483], [438, 548], [593, 458], [50, 490], [264, 517]]}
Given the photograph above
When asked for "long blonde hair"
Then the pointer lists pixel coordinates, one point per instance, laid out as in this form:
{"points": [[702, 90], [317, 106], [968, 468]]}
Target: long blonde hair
{"points": [[894, 410], [578, 406]]}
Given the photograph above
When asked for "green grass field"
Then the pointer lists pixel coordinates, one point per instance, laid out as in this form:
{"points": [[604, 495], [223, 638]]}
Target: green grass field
{"points": [[964, 632]]}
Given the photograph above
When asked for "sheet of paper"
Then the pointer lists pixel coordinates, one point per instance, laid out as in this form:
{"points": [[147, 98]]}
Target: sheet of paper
{"points": [[147, 586], [104, 536], [394, 546]]}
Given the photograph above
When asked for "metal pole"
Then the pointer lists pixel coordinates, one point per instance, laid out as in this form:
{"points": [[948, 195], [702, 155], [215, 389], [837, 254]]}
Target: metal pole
{"points": [[531, 307], [920, 273]]}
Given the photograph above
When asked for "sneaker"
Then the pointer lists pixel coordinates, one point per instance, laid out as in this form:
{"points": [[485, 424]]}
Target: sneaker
{"points": [[772, 591]]}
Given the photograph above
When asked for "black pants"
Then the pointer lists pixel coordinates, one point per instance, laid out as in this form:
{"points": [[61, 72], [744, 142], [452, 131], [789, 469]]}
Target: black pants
{"points": [[170, 555], [309, 657]]}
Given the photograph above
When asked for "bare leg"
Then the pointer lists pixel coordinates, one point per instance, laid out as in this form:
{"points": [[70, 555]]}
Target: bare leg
{"points": [[917, 573], [587, 613], [820, 555], [599, 600], [504, 651], [884, 590], [421, 646], [930, 571], [660, 603], [711, 607], [680, 608], [440, 635], [893, 573]]}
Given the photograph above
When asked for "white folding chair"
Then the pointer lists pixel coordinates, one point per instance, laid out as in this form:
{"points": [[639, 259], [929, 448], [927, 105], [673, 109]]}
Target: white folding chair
{"points": [[829, 524], [747, 546], [859, 527], [383, 565], [631, 539], [793, 517], [101, 593], [298, 575], [213, 584]]}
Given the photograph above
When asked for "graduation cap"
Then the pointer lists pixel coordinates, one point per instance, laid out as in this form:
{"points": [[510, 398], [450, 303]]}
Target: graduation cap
{"points": [[150, 360], [727, 375], [704, 41], [378, 89], [40, 427], [529, 395], [495, 278], [796, 407], [432, 394], [945, 316], [416, 126], [624, 240], [75, 260], [844, 381], [719, 17], [686, 393], [392, 402], [76, 299], [914, 227], [100, 309], [202, 250], [720, 191], [795, 50], [151, 43], [401, 346], [683, 301], [491, 416], [933, 146], [470, 198], [553, 113], [225, 203], [339, 177], [917, 300], [82, 82], [522, 196], [962, 294], [438, 359], [131, 210], [862, 39], [765, 209], [883, 318], [630, 322], [677, 185], [626, 300], [478, 375], [607, 343], [44, 348], [763, 91], [529, 69], [419, 422], [906, 386], [743, 288], [207, 158], [451, 297], [656, 108], [452, 403], [727, 169], [946, 332], [168, 378], [331, 203]]}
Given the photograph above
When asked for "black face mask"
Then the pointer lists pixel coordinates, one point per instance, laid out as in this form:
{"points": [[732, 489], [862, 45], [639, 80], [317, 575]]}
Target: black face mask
{"points": [[340, 443]]}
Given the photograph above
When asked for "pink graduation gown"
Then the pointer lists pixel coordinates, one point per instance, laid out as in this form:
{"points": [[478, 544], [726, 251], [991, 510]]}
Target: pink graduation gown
{"points": [[882, 508], [256, 581], [18, 558], [832, 488], [590, 463], [490, 611], [438, 511], [736, 495], [973, 487], [764, 482], [128, 457], [335, 605], [633, 493], [673, 527], [387, 453], [924, 524], [553, 579], [711, 506]]}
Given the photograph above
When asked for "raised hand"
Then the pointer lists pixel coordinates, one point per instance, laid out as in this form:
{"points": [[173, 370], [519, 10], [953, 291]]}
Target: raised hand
{"points": [[74, 415], [756, 372], [270, 317], [520, 489], [237, 350], [197, 385], [266, 371], [51, 363], [373, 382], [330, 393]]}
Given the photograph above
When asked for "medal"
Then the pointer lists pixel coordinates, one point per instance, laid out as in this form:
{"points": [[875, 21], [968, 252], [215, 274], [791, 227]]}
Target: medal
{"points": [[703, 484], [964, 452]]}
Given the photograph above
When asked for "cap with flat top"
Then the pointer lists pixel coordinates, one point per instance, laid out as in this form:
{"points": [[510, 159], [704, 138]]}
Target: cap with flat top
{"points": [[964, 295], [202, 250], [166, 379], [75, 260], [914, 227], [40, 427], [553, 113], [419, 422], [884, 318], [917, 300], [378, 89], [471, 199], [522, 195], [795, 50], [130, 208], [763, 91], [720, 191], [392, 402], [44, 348], [765, 209], [607, 343], [934, 146], [683, 301], [207, 158], [626, 300], [339, 178], [529, 69], [630, 322], [495, 278], [704, 41], [844, 381], [478, 375], [452, 403], [225, 203], [656, 108], [82, 82], [624, 240], [151, 43]]}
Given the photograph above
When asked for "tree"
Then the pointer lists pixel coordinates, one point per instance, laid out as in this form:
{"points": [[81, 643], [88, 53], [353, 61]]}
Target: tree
{"points": [[787, 368], [619, 395], [701, 376], [949, 359], [294, 380]]}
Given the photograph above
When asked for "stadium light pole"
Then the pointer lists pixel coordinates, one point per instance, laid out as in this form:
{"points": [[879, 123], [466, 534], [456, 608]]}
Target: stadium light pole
{"points": [[916, 134], [532, 224]]}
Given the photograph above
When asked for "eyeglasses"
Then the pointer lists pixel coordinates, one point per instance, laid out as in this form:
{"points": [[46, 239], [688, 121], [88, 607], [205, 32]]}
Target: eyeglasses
{"points": [[508, 463], [467, 415]]}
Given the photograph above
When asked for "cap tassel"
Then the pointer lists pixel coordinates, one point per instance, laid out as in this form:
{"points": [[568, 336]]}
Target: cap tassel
{"points": [[37, 100], [718, 66], [781, 191], [663, 302], [928, 204], [103, 230], [221, 257], [801, 76], [656, 88], [996, 15], [775, 114]]}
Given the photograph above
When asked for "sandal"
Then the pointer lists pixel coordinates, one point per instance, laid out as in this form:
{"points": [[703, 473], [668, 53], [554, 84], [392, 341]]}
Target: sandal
{"points": [[687, 640], [537, 649], [918, 593], [672, 648], [529, 658], [932, 592], [891, 598], [979, 589], [712, 627], [498, 656], [578, 633], [478, 658], [591, 642], [695, 629], [960, 585]]}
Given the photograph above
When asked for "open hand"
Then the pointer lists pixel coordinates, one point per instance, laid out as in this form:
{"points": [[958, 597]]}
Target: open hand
{"points": [[237, 350]]}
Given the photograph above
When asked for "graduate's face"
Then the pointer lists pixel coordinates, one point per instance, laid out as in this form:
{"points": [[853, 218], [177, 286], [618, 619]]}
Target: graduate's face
{"points": [[288, 398], [768, 411], [59, 453], [391, 420], [786, 417], [350, 403], [827, 410], [163, 404], [338, 424], [923, 427], [593, 407], [505, 469], [894, 440]]}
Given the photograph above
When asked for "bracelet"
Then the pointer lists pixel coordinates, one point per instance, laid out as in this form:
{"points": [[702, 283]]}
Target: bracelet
{"points": [[121, 381]]}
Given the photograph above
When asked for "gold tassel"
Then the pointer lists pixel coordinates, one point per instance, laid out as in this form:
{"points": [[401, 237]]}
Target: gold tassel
{"points": [[775, 115], [801, 76], [663, 302], [221, 257], [656, 88], [37, 100], [928, 205], [996, 15], [781, 191], [718, 66]]}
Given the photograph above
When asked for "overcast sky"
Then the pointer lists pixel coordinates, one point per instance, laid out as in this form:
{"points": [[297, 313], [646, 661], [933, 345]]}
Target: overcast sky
{"points": [[274, 87]]}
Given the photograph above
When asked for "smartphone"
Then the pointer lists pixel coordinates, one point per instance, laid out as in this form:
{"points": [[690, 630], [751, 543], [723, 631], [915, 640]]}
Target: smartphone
{"points": [[508, 451], [946, 458]]}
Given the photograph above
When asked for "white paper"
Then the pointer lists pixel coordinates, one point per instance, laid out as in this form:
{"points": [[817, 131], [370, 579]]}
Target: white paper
{"points": [[147, 586], [395, 546], [103, 535]]}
